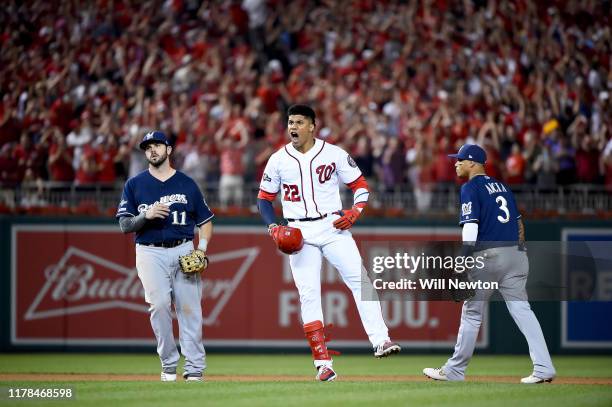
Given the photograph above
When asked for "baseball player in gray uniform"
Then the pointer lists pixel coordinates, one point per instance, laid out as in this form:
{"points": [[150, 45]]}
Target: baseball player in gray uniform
{"points": [[493, 229], [163, 206]]}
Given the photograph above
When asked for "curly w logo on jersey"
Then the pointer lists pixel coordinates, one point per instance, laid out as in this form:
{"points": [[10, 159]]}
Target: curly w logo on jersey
{"points": [[325, 172]]}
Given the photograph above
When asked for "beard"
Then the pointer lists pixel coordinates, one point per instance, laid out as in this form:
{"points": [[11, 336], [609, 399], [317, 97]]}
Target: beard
{"points": [[158, 160]]}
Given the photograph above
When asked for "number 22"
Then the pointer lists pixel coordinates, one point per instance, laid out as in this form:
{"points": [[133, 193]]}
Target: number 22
{"points": [[292, 193], [503, 205]]}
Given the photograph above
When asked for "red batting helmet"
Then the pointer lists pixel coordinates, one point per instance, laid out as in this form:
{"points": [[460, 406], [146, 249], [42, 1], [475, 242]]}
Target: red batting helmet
{"points": [[289, 240]]}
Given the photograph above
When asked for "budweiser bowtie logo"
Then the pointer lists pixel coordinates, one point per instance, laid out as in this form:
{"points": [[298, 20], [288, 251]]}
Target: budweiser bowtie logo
{"points": [[84, 282]]}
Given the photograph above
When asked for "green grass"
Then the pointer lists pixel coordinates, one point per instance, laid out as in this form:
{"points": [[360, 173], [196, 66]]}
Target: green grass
{"points": [[331, 394], [297, 365], [344, 392], [150, 394]]}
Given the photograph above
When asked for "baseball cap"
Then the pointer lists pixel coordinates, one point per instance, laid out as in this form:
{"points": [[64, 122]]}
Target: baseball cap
{"points": [[471, 152], [154, 137]]}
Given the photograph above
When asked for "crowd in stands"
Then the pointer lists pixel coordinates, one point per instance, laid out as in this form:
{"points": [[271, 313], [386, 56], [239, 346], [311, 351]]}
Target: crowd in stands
{"points": [[399, 84]]}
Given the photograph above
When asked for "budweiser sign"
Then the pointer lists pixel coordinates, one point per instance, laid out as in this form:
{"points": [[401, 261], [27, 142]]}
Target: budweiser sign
{"points": [[83, 282], [91, 280], [81, 288]]}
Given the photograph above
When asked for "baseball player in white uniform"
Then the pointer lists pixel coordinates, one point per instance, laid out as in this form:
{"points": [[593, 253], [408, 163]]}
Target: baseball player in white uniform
{"points": [[307, 173]]}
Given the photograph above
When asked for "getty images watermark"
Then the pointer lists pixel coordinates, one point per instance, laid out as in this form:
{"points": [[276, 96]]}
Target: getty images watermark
{"points": [[432, 269], [421, 266]]}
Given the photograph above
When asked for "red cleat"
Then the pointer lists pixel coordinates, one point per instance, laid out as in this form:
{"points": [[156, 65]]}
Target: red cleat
{"points": [[326, 374]]}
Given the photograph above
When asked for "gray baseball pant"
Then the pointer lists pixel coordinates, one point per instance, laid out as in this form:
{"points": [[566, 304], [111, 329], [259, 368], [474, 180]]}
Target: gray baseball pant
{"points": [[164, 283], [509, 267]]}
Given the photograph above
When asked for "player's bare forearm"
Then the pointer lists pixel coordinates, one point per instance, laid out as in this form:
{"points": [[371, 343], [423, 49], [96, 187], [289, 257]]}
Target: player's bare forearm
{"points": [[129, 224], [521, 231], [205, 233]]}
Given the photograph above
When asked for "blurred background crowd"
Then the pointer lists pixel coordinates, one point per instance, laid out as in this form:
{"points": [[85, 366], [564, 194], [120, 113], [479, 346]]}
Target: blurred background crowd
{"points": [[398, 84]]}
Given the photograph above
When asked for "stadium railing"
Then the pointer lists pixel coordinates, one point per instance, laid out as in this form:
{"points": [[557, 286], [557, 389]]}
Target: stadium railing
{"points": [[402, 200]]}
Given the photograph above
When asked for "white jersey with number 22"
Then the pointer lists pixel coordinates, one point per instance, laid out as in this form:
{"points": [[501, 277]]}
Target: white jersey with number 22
{"points": [[309, 183]]}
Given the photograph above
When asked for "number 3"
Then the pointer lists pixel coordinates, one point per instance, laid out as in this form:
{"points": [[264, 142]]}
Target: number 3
{"points": [[503, 205]]}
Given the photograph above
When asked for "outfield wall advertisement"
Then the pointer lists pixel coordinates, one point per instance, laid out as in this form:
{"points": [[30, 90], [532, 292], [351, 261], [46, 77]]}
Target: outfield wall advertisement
{"points": [[581, 321], [77, 285]]}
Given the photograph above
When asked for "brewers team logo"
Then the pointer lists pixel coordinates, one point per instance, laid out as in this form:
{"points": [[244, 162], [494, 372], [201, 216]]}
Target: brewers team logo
{"points": [[466, 209], [165, 200]]}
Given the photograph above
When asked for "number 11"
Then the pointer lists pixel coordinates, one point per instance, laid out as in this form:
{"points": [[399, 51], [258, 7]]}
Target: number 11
{"points": [[175, 220]]}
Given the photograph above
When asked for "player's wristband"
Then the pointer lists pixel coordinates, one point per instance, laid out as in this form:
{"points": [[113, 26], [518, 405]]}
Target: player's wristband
{"points": [[203, 245], [359, 206], [467, 250]]}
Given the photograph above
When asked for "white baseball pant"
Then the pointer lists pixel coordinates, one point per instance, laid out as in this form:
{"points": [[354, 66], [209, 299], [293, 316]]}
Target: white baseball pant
{"points": [[321, 239]]}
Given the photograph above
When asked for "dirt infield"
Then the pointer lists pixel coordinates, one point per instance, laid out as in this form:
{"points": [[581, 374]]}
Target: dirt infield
{"points": [[63, 377]]}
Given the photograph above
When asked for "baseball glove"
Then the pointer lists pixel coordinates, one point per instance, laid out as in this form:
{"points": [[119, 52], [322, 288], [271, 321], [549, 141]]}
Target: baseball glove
{"points": [[460, 295], [194, 262]]}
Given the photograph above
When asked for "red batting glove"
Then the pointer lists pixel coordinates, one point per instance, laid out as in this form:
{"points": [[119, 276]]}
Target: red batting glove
{"points": [[348, 218]]}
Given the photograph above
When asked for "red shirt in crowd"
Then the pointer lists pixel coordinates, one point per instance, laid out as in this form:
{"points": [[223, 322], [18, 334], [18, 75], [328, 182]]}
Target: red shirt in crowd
{"points": [[444, 166], [608, 176], [269, 97], [515, 169], [88, 170], [61, 168], [231, 161], [491, 165], [32, 158], [106, 164], [587, 165], [9, 174]]}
